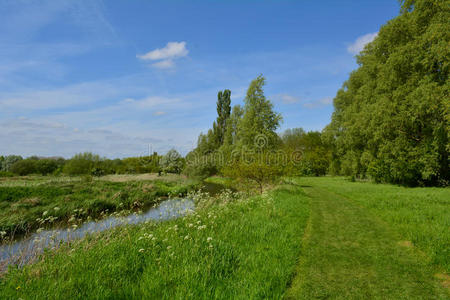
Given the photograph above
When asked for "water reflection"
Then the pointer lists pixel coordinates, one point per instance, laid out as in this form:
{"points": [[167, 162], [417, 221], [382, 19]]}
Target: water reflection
{"points": [[22, 251]]}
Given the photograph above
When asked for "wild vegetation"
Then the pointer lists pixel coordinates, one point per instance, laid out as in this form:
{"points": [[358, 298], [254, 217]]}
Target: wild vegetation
{"points": [[233, 247], [26, 204], [90, 164]]}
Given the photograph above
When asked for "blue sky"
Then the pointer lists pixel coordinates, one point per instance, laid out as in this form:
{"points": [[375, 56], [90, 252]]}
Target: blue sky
{"points": [[114, 77]]}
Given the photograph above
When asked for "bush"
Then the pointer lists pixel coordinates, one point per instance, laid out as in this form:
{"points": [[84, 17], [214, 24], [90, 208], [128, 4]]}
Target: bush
{"points": [[8, 161], [24, 167], [172, 162], [82, 164], [46, 166], [260, 168], [200, 167], [6, 174]]}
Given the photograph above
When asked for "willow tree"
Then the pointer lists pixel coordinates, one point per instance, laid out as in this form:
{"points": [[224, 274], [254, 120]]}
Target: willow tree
{"points": [[391, 118]]}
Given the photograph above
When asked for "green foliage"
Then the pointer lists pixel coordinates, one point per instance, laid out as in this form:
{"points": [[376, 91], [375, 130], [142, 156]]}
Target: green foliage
{"points": [[137, 165], [22, 204], [259, 168], [172, 162], [82, 163], [6, 174], [309, 153], [258, 118], [8, 161], [200, 166], [24, 167], [34, 165], [245, 131], [223, 113], [391, 118], [232, 126]]}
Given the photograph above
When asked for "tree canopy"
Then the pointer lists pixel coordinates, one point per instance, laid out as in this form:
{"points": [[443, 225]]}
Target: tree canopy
{"points": [[391, 117]]}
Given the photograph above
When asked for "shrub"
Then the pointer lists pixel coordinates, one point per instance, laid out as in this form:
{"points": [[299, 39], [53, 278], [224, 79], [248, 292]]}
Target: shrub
{"points": [[172, 162], [81, 164], [6, 174], [24, 167], [8, 161]]}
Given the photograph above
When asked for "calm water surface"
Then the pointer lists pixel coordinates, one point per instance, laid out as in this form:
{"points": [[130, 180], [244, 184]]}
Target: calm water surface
{"points": [[22, 251]]}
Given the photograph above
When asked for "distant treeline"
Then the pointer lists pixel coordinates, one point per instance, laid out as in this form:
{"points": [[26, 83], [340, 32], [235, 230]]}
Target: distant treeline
{"points": [[90, 164]]}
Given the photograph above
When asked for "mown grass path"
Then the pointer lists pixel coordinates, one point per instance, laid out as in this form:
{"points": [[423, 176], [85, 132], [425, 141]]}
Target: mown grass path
{"points": [[348, 253]]}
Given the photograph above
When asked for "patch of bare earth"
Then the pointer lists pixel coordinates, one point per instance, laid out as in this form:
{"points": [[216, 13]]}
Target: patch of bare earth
{"points": [[406, 244], [444, 278]]}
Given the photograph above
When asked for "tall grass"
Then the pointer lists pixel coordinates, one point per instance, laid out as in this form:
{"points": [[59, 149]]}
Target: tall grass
{"points": [[231, 247]]}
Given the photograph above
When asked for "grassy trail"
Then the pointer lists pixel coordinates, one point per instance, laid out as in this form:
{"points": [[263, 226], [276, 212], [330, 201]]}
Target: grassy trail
{"points": [[348, 253]]}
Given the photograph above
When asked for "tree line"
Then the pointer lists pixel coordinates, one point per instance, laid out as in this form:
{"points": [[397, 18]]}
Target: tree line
{"points": [[391, 117], [243, 143], [391, 121], [88, 163]]}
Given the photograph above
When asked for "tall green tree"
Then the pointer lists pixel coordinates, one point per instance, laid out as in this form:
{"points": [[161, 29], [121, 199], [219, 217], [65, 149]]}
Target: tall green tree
{"points": [[232, 125], [259, 120], [391, 118], [223, 113]]}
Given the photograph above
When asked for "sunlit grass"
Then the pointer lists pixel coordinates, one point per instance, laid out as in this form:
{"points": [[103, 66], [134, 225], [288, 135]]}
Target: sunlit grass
{"points": [[420, 215], [233, 248]]}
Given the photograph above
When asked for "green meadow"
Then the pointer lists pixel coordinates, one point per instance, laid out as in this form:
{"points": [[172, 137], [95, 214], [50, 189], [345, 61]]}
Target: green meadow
{"points": [[306, 238]]}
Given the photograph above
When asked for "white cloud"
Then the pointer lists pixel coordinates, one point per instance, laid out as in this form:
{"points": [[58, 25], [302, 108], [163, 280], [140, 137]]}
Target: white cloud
{"points": [[288, 99], [171, 50], [148, 102], [166, 55], [164, 64], [159, 113], [318, 103], [361, 42]]}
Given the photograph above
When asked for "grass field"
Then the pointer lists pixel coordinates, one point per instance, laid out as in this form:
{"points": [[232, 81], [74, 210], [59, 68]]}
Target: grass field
{"points": [[421, 216], [351, 251], [27, 203], [311, 238]]}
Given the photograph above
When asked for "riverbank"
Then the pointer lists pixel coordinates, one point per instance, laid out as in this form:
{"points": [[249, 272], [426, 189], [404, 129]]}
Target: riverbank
{"points": [[29, 203], [238, 247]]}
